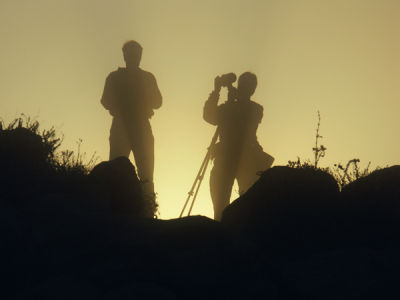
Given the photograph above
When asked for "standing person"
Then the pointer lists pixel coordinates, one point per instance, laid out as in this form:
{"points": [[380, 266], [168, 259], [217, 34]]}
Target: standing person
{"points": [[238, 155], [130, 95]]}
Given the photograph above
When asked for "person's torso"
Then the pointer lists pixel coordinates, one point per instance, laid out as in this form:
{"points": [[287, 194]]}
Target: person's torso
{"points": [[131, 93], [238, 123]]}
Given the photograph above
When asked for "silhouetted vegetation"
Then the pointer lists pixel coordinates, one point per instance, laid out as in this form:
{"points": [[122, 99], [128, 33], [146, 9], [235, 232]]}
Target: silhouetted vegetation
{"points": [[64, 161], [349, 172], [33, 165], [343, 173]]}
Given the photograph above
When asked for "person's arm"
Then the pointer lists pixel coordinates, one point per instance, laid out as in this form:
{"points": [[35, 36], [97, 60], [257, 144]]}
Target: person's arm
{"points": [[153, 92], [260, 113], [257, 117], [107, 99], [210, 110]]}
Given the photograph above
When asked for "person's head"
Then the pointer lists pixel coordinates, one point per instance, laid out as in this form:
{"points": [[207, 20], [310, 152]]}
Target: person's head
{"points": [[132, 53], [246, 87]]}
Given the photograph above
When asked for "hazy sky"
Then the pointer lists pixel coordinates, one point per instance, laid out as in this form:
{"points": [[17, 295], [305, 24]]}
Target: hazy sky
{"points": [[339, 57]]}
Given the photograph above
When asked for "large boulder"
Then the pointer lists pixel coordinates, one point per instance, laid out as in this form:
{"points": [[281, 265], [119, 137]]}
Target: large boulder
{"points": [[372, 206], [286, 208], [376, 195], [116, 184]]}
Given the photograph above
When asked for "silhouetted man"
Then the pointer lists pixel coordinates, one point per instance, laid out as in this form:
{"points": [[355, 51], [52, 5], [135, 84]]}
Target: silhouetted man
{"points": [[238, 155], [130, 95]]}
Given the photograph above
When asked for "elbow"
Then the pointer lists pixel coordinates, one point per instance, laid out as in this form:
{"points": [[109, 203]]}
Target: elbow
{"points": [[209, 119], [157, 103], [104, 103]]}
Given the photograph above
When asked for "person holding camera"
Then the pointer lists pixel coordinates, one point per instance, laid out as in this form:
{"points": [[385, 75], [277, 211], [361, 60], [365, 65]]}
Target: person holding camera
{"points": [[238, 155], [130, 95]]}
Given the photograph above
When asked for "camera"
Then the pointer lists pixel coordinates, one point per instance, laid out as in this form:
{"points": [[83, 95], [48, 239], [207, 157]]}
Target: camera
{"points": [[227, 79]]}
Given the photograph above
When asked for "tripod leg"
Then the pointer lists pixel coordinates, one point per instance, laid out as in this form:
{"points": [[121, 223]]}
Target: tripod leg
{"points": [[200, 175], [200, 179], [196, 181]]}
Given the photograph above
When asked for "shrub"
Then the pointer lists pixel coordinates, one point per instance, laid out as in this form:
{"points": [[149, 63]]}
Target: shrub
{"points": [[33, 168], [63, 162]]}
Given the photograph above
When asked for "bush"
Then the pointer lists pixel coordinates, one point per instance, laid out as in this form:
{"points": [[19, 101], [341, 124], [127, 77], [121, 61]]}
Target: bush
{"points": [[63, 162], [33, 168]]}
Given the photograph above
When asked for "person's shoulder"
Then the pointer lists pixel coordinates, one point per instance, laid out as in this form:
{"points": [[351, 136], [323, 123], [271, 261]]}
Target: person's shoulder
{"points": [[117, 73], [147, 74], [256, 105]]}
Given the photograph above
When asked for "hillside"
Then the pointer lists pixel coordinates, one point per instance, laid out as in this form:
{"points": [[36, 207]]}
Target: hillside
{"points": [[67, 234]]}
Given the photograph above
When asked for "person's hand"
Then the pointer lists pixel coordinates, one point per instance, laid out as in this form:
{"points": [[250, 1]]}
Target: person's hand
{"points": [[217, 84], [232, 93]]}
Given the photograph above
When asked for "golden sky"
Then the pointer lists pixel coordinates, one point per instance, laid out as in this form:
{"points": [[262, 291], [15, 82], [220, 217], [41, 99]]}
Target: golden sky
{"points": [[340, 57]]}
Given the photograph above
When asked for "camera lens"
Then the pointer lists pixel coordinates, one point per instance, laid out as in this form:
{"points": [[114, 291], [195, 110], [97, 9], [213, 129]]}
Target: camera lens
{"points": [[228, 79]]}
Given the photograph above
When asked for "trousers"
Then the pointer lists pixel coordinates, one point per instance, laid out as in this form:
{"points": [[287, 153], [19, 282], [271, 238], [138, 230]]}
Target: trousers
{"points": [[231, 162], [138, 138]]}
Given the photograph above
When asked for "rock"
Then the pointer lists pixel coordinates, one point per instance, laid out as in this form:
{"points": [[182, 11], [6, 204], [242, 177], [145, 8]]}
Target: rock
{"points": [[376, 195], [141, 291], [116, 183], [286, 208], [371, 207], [347, 273]]}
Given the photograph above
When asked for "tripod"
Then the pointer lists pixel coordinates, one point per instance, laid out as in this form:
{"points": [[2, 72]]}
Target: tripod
{"points": [[200, 176]]}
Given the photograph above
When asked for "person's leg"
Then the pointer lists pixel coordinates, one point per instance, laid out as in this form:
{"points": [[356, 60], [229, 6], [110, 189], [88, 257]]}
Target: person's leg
{"points": [[252, 162], [246, 178], [143, 151], [221, 181], [119, 144]]}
